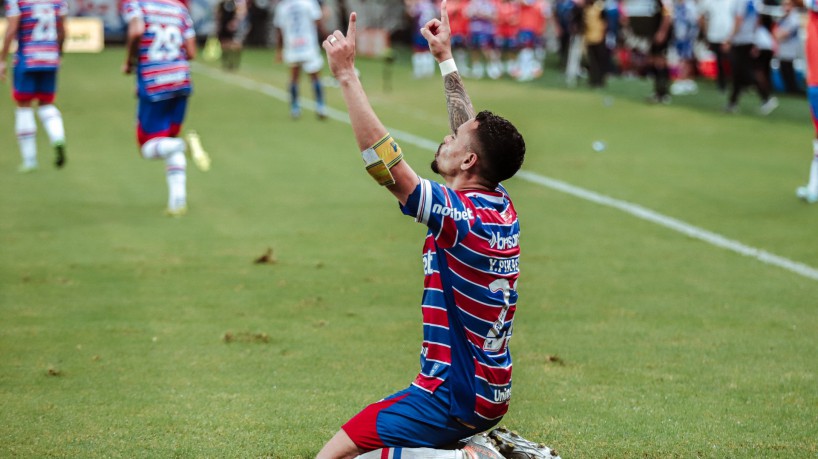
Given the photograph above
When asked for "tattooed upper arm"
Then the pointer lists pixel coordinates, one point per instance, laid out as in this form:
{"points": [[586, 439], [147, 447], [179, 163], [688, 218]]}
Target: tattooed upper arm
{"points": [[457, 101]]}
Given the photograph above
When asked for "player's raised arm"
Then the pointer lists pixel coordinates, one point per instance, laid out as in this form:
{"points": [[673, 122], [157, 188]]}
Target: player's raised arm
{"points": [[438, 33], [382, 155]]}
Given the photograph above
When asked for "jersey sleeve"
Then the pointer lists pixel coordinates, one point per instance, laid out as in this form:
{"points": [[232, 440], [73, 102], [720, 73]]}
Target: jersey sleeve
{"points": [[12, 8], [187, 25], [446, 212], [131, 10]]}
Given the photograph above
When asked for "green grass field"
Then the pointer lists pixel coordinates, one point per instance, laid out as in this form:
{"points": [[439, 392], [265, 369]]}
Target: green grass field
{"points": [[129, 334]]}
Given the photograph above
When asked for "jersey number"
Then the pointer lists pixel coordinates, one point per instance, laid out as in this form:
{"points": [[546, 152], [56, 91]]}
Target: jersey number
{"points": [[46, 27], [167, 43], [496, 341]]}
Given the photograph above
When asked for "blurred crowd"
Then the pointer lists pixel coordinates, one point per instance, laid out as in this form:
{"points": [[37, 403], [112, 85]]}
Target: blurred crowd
{"points": [[743, 43]]}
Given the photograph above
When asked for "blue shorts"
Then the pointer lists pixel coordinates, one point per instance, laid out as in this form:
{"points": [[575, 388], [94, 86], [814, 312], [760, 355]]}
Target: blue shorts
{"points": [[505, 43], [419, 43], [528, 39], [684, 48], [459, 41], [482, 40], [40, 85], [161, 118], [411, 418]]}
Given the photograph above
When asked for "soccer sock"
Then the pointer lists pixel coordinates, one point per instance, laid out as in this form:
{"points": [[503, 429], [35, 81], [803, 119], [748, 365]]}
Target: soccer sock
{"points": [[461, 60], [525, 62], [294, 95], [162, 147], [417, 62], [51, 118], [319, 92], [25, 126], [175, 165], [812, 185], [477, 70], [428, 64], [414, 453]]}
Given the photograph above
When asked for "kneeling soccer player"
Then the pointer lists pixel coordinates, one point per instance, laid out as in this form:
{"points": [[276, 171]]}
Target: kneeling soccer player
{"points": [[470, 264]]}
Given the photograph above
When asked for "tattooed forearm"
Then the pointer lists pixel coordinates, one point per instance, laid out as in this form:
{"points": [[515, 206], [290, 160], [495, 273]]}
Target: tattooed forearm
{"points": [[457, 101]]}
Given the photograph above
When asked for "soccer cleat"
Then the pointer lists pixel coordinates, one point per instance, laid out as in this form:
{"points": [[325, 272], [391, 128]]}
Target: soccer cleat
{"points": [[768, 106], [59, 155], [480, 446], [197, 152], [26, 168], [321, 111], [513, 446], [177, 212], [295, 112], [803, 193]]}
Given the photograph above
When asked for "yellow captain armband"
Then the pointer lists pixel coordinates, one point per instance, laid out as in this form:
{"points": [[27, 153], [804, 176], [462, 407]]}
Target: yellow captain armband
{"points": [[382, 157]]}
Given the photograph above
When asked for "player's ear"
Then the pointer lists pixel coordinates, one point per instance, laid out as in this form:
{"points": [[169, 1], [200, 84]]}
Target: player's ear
{"points": [[470, 161]]}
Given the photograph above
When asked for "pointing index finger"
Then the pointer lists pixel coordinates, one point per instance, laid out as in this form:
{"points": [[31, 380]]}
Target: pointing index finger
{"points": [[351, 28], [444, 16]]}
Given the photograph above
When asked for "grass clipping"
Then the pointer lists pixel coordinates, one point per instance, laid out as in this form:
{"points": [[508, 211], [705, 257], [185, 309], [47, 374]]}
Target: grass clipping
{"points": [[245, 337]]}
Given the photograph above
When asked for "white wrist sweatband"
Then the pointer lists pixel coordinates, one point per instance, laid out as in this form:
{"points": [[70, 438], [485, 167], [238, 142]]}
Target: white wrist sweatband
{"points": [[447, 67]]}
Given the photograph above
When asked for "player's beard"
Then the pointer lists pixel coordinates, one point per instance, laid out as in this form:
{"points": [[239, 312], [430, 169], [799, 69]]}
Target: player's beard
{"points": [[433, 165]]}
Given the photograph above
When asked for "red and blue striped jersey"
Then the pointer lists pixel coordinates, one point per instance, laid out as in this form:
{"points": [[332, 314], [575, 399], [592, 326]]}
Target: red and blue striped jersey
{"points": [[478, 234], [163, 70], [37, 45]]}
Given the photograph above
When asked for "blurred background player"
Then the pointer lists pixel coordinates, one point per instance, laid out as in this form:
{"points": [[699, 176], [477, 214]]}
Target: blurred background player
{"points": [[298, 23], [531, 39], [459, 24], [231, 29], [787, 31], [596, 50], [716, 20], [809, 192], [564, 14], [482, 16], [38, 27], [576, 41], [741, 45], [508, 27], [420, 12], [685, 34], [160, 42], [661, 22]]}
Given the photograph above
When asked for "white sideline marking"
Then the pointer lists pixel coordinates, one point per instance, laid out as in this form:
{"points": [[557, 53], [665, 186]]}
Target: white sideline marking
{"points": [[557, 185]]}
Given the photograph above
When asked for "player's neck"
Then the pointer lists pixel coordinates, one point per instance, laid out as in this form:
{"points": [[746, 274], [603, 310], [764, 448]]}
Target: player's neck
{"points": [[469, 182]]}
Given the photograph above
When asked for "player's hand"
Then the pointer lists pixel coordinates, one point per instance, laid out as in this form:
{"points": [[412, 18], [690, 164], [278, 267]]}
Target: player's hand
{"points": [[341, 50], [438, 33], [127, 68]]}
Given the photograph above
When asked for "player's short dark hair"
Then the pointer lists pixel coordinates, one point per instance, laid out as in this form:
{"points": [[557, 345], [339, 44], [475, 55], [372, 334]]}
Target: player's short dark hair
{"points": [[501, 147]]}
